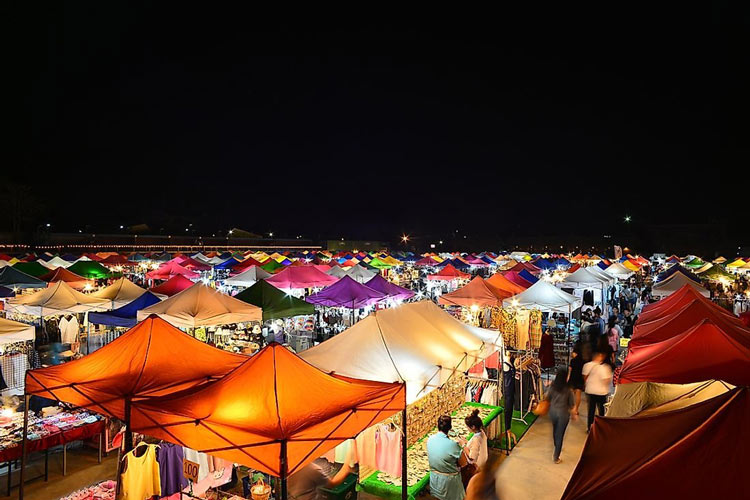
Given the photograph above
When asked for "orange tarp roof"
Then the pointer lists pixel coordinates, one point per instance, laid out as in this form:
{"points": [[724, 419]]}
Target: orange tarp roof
{"points": [[274, 397], [475, 293], [61, 274], [499, 281], [151, 359]]}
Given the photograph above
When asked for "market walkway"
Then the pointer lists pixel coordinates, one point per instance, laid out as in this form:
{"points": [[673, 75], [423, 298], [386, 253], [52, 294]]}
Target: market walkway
{"points": [[529, 473]]}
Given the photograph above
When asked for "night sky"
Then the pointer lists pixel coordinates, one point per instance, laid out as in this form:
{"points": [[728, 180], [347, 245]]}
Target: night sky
{"points": [[491, 125]]}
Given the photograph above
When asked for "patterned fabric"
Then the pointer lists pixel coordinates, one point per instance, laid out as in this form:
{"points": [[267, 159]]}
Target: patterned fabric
{"points": [[535, 328]]}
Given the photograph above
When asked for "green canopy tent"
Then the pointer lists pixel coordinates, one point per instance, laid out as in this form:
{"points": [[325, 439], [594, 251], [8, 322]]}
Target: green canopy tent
{"points": [[274, 302], [34, 268], [716, 272], [272, 266], [90, 269], [695, 263], [379, 264]]}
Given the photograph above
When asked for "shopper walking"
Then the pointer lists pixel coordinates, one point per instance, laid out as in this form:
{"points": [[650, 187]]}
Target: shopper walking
{"points": [[580, 356], [561, 402], [597, 376]]}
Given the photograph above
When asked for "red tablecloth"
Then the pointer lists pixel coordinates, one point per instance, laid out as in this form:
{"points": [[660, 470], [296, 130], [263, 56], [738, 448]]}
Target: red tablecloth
{"points": [[76, 434]]}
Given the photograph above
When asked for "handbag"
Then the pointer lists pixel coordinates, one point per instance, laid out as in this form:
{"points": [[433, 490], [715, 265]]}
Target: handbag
{"points": [[542, 408], [467, 471]]}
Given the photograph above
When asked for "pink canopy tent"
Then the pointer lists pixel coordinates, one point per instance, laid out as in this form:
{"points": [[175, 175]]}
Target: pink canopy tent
{"points": [[301, 277]]}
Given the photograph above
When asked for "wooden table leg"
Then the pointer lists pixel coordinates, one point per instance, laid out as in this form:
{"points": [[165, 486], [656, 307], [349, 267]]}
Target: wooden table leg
{"points": [[10, 464], [65, 459], [100, 447], [46, 465]]}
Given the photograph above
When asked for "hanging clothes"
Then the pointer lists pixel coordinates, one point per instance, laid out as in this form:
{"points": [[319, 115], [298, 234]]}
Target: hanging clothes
{"points": [[170, 469], [366, 448], [388, 451], [204, 465], [509, 392], [522, 329], [141, 479], [535, 328], [547, 351], [69, 333]]}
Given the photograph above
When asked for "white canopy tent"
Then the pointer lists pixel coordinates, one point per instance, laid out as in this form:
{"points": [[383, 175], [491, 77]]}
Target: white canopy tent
{"points": [[585, 278], [619, 271], [360, 274], [248, 277], [119, 293], [418, 343], [545, 297], [643, 398], [674, 283], [59, 298], [55, 262], [13, 331], [201, 305], [336, 272], [597, 271]]}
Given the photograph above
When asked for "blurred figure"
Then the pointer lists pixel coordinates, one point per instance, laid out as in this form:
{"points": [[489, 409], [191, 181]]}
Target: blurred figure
{"points": [[597, 376], [561, 402], [482, 485]]}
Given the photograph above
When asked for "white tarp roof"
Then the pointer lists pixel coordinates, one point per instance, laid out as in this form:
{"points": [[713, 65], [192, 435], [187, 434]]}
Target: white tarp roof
{"points": [[13, 331], [674, 283], [201, 305], [336, 272], [544, 296], [119, 293], [597, 271], [59, 298], [55, 262], [644, 398], [248, 277], [408, 343], [360, 274], [584, 277], [619, 271]]}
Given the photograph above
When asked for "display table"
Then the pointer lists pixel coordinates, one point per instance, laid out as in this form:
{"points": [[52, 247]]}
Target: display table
{"points": [[12, 454], [375, 486]]}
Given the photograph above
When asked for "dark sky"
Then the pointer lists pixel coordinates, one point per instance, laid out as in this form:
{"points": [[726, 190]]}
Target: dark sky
{"points": [[490, 124]]}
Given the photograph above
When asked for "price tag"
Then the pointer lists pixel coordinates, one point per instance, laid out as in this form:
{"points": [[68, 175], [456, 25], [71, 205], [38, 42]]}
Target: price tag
{"points": [[624, 342], [190, 470]]}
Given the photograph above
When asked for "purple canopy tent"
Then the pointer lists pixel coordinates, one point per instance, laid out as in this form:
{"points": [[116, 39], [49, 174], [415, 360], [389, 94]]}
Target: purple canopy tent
{"points": [[346, 293], [395, 292]]}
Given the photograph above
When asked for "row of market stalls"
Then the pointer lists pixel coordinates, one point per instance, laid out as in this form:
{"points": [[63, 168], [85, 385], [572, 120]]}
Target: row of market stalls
{"points": [[680, 403]]}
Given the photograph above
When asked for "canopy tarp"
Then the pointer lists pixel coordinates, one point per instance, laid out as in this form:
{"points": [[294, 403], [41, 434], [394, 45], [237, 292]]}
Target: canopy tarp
{"points": [[14, 331], [274, 302], [585, 278], [172, 286], [525, 274], [676, 268], [195, 265], [670, 455], [426, 261], [502, 283], [642, 398], [475, 293], [62, 274], [619, 271], [227, 420], [272, 266], [170, 269], [248, 277], [531, 268], [717, 273], [391, 291], [706, 351], [417, 343], [151, 359], [346, 293], [672, 303], [359, 274], [227, 264], [121, 292], [674, 283], [544, 264], [13, 278], [125, 316], [739, 262], [301, 277], [34, 269], [544, 296], [59, 298], [447, 273], [56, 262], [90, 269], [631, 265], [517, 279], [201, 305]]}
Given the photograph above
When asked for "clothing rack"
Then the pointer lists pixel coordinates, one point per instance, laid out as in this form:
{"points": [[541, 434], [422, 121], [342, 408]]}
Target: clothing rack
{"points": [[524, 355]]}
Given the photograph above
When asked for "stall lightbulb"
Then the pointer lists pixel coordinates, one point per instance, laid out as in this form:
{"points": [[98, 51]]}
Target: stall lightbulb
{"points": [[474, 308]]}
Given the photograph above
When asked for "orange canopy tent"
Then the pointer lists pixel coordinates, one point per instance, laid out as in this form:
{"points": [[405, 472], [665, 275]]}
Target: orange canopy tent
{"points": [[151, 359], [72, 279], [280, 425], [476, 293], [499, 281]]}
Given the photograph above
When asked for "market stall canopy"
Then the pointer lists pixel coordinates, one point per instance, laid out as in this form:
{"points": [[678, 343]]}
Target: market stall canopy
{"points": [[121, 292], [677, 269], [274, 302], [346, 293], [674, 283], [521, 266], [56, 262], [245, 416], [90, 269], [706, 351], [13, 278], [525, 274], [301, 277], [127, 315], [359, 274], [502, 283], [672, 303], [669, 455], [170, 269], [449, 273], [72, 279], [417, 343], [391, 291], [739, 262], [597, 271], [151, 359], [272, 266], [336, 272], [172, 286], [201, 305], [584, 278], [14, 331], [248, 277], [5, 293], [59, 298], [544, 296], [475, 293], [517, 279], [648, 398], [34, 269], [619, 271], [717, 273], [195, 265], [426, 261]]}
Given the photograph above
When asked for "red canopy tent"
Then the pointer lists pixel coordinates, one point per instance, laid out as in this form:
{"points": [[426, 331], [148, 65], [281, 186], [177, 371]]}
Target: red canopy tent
{"points": [[169, 269], [500, 282], [195, 265], [448, 273], [61, 274], [280, 420], [516, 278], [172, 286], [673, 302], [526, 265], [706, 351], [700, 451], [301, 277]]}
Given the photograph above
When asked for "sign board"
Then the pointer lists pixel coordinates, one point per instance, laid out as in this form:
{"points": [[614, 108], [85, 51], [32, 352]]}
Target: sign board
{"points": [[190, 470], [624, 342]]}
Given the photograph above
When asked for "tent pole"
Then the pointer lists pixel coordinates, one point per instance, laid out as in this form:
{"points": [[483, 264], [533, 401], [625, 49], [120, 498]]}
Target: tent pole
{"points": [[88, 336], [404, 473], [568, 341], [128, 431], [284, 471], [26, 399]]}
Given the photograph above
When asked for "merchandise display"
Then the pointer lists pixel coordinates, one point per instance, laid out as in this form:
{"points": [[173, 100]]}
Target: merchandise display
{"points": [[100, 491]]}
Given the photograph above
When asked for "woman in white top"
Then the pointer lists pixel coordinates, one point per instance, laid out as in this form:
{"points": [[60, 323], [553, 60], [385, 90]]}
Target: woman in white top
{"points": [[476, 447]]}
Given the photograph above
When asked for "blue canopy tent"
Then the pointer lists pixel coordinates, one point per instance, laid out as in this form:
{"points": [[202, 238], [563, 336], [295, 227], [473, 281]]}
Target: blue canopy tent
{"points": [[124, 316], [544, 265], [457, 263], [528, 276], [69, 257], [6, 292], [563, 262], [227, 264], [677, 268], [13, 278], [602, 265]]}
